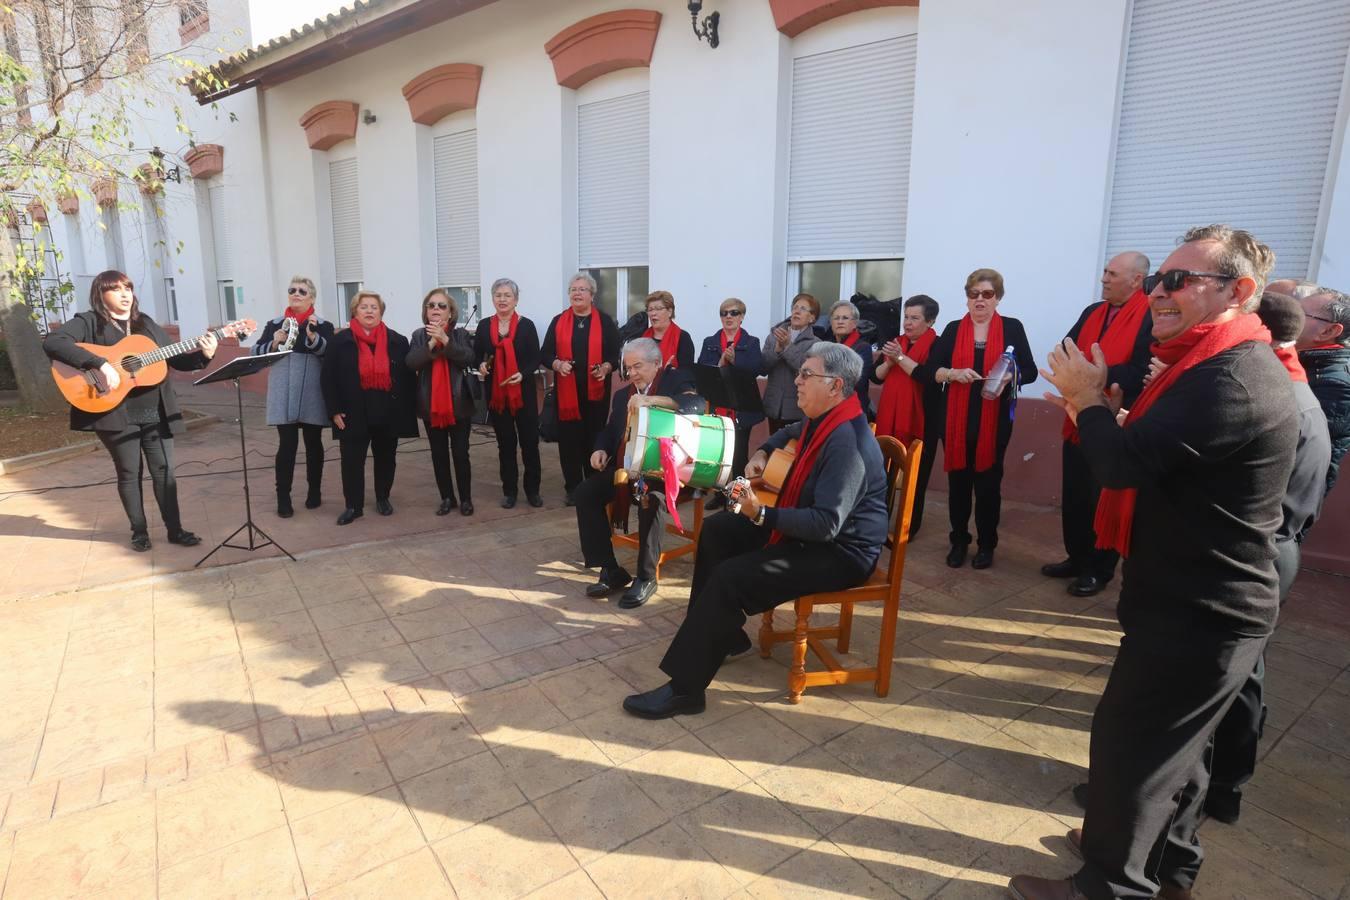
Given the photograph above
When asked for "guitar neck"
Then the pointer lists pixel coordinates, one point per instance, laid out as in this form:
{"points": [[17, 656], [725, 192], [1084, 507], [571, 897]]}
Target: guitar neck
{"points": [[159, 354]]}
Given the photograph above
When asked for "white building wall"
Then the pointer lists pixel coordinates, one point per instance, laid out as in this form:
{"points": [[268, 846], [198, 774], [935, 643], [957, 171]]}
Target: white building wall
{"points": [[1332, 268]]}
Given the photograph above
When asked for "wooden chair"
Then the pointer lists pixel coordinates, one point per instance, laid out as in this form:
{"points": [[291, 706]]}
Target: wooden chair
{"points": [[902, 469], [618, 511]]}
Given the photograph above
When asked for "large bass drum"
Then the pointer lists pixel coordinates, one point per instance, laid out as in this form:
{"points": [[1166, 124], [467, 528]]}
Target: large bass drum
{"points": [[703, 446]]}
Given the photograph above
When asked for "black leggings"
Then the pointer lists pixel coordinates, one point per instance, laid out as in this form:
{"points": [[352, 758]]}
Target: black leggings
{"points": [[443, 441], [155, 443], [289, 441]]}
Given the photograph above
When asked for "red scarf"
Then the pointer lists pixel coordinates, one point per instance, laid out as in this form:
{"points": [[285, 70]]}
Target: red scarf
{"points": [[1115, 508], [302, 317], [569, 404], [670, 344], [506, 398], [442, 395], [1117, 344], [900, 411], [958, 399], [852, 338], [372, 353], [722, 336], [1289, 357], [801, 468]]}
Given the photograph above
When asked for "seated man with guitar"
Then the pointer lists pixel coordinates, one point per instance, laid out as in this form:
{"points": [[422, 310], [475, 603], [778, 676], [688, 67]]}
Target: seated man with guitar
{"points": [[650, 384], [112, 363], [825, 532]]}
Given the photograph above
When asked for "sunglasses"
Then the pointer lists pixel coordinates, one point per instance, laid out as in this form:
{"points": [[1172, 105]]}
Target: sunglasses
{"points": [[732, 312], [434, 305], [297, 290], [987, 295], [1175, 279]]}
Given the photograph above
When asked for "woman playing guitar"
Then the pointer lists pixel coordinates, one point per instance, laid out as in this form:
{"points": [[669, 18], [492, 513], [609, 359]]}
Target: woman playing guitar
{"points": [[146, 421]]}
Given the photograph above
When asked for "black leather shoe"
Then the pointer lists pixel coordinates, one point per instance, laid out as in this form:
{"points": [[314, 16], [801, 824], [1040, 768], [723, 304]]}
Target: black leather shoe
{"points": [[715, 502], [466, 507], [284, 508], [983, 559], [570, 499], [641, 591], [184, 539], [535, 500], [1062, 569], [384, 507], [447, 504], [1073, 838], [509, 501], [956, 557], [610, 581], [1080, 794], [1028, 887], [1225, 806], [140, 542], [663, 703], [314, 500], [348, 516], [1086, 586]]}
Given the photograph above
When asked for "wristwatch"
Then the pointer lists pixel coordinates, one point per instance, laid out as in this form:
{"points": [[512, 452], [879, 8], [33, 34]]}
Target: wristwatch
{"points": [[759, 516]]}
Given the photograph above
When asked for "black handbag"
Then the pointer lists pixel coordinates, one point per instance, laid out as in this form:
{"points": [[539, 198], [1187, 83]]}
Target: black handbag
{"points": [[548, 416]]}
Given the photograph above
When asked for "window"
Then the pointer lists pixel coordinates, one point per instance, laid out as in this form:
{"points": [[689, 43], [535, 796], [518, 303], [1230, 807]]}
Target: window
{"points": [[137, 38], [90, 52], [171, 297], [455, 176], [12, 48], [193, 19], [612, 200], [47, 49], [228, 297], [345, 199], [113, 254], [848, 170]]}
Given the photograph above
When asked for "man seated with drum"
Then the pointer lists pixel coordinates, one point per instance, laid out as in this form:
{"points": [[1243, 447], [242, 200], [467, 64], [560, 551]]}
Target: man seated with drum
{"points": [[649, 385], [824, 534]]}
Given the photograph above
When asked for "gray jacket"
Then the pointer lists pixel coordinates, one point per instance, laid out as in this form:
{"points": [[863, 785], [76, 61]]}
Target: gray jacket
{"points": [[294, 395], [780, 394]]}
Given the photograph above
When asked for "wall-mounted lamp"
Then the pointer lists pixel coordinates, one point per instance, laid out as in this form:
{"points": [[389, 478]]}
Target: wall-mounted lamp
{"points": [[708, 29], [174, 173], [368, 117]]}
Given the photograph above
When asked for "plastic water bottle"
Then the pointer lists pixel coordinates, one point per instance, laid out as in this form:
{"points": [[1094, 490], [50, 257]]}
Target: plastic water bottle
{"points": [[999, 375]]}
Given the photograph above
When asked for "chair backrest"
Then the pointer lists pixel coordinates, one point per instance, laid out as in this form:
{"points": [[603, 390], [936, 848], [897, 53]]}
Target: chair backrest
{"points": [[902, 476]]}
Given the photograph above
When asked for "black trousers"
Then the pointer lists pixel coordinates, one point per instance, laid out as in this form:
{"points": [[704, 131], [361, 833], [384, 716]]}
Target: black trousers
{"points": [[155, 444], [576, 443], [521, 429], [597, 549], [986, 490], [1080, 492], [288, 441], [737, 573], [443, 441], [1164, 699], [741, 454], [382, 441], [930, 445]]}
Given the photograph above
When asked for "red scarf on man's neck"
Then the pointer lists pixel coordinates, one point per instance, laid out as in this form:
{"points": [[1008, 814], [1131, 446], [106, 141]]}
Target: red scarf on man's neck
{"points": [[722, 336], [846, 411], [300, 318], [670, 344], [372, 355], [506, 398], [959, 396], [1115, 507], [900, 410], [1117, 344], [1289, 357], [569, 403]]}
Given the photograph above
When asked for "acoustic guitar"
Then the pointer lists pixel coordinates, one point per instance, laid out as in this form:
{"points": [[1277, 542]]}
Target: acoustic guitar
{"points": [[139, 361], [770, 483]]}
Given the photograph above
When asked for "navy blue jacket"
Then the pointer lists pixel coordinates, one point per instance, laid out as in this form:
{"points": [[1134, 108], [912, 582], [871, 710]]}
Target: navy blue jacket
{"points": [[1329, 377], [748, 357]]}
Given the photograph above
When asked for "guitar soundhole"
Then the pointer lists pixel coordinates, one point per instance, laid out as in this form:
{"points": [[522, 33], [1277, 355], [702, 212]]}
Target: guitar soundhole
{"points": [[129, 365]]}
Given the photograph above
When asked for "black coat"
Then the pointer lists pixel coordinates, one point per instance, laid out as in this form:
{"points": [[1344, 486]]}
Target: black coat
{"points": [[85, 328], [581, 369], [460, 354], [527, 358], [684, 351], [748, 357], [1329, 377], [1131, 373], [863, 387], [342, 391]]}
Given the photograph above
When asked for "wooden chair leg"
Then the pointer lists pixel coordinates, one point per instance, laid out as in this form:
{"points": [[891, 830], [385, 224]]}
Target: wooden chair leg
{"points": [[766, 635], [797, 675], [845, 626], [886, 648]]}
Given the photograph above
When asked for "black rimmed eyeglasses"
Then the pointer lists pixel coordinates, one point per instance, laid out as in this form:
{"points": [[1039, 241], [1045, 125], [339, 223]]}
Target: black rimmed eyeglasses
{"points": [[1175, 279]]}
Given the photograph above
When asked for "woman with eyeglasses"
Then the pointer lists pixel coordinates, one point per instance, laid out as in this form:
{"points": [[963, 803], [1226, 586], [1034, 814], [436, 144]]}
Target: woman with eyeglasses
{"points": [[370, 393], [439, 353], [294, 396], [844, 319], [733, 346], [507, 349], [784, 351], [977, 429], [677, 347]]}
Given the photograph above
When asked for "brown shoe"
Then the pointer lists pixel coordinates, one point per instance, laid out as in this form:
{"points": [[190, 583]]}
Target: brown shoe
{"points": [[1172, 892], [1028, 887], [1075, 841]]}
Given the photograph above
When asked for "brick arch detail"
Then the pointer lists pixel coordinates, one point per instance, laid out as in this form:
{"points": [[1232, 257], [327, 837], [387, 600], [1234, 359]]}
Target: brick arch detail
{"points": [[329, 124], [438, 92], [623, 39], [792, 17], [205, 160]]}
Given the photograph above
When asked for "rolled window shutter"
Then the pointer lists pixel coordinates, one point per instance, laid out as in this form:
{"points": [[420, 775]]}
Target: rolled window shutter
{"points": [[455, 162], [1227, 114], [612, 181], [346, 204], [848, 163], [220, 235]]}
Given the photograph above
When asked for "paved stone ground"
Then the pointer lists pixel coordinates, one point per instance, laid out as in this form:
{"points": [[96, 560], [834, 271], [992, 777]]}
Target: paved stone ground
{"points": [[438, 715]]}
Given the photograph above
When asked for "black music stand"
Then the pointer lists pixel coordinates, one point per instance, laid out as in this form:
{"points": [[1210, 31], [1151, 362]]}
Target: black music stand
{"points": [[234, 370], [729, 387]]}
